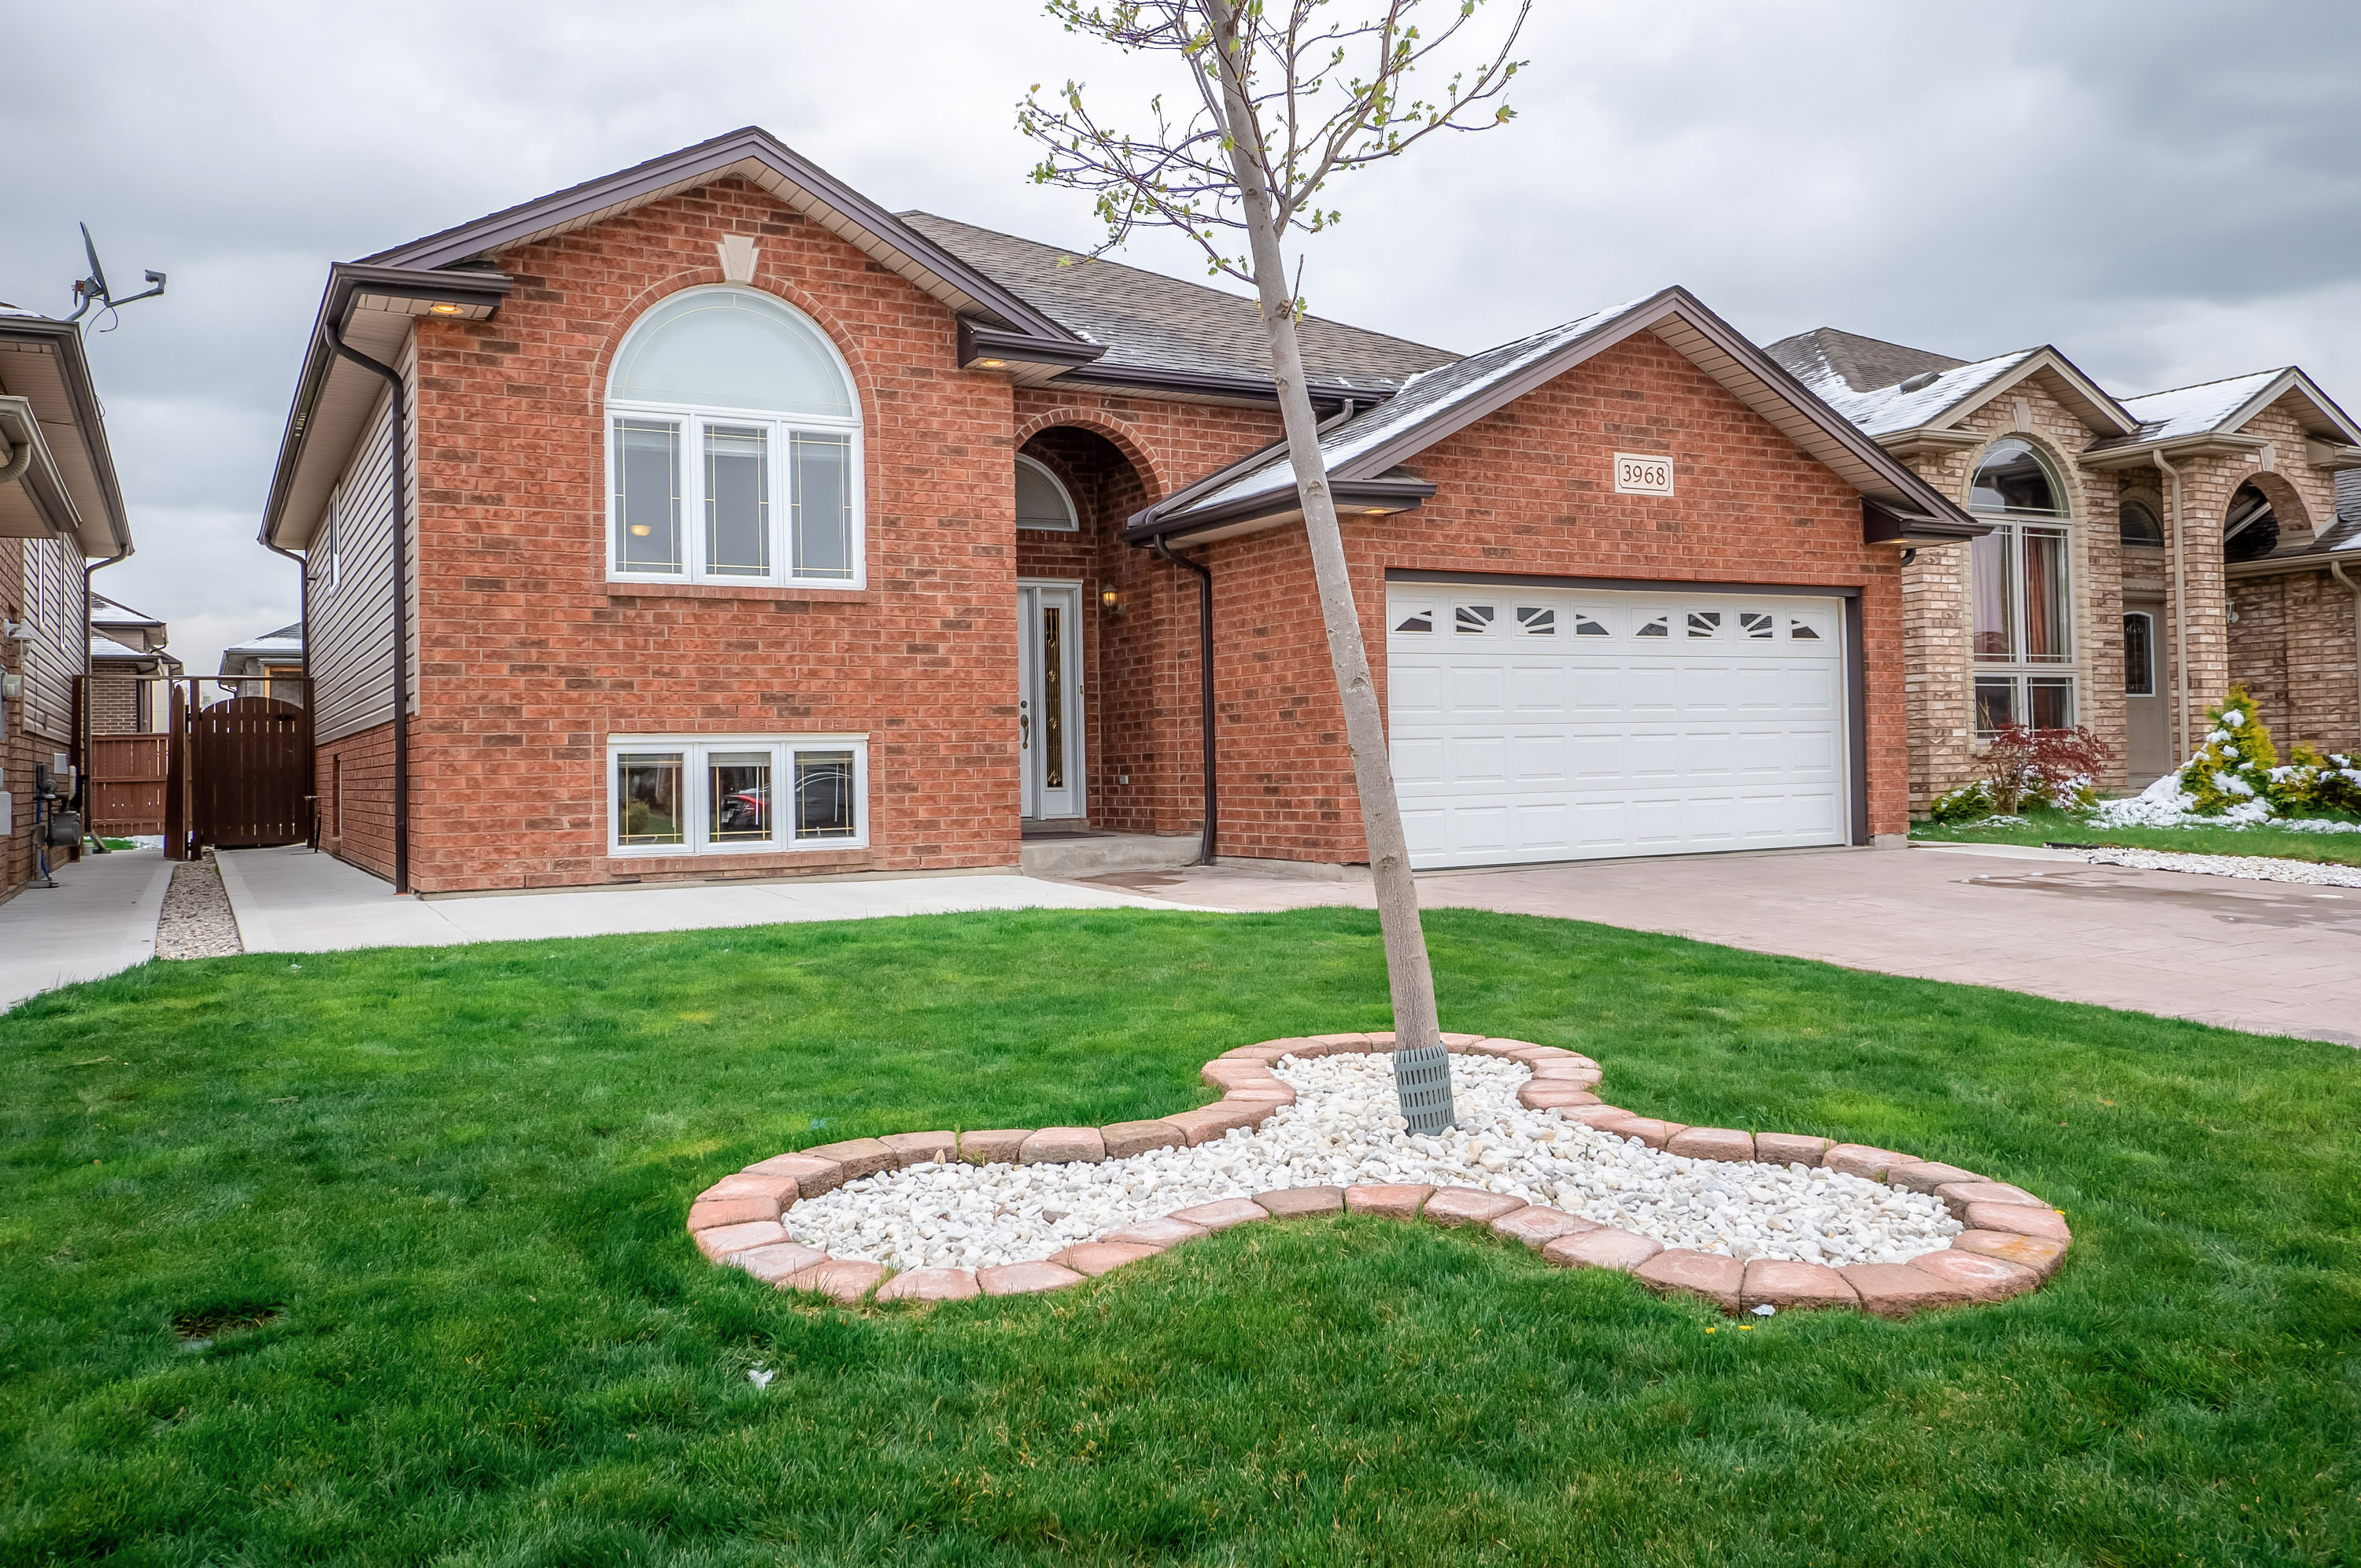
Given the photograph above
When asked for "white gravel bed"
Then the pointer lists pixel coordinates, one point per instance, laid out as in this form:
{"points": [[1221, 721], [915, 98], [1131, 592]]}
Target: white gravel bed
{"points": [[1343, 1130], [2253, 868]]}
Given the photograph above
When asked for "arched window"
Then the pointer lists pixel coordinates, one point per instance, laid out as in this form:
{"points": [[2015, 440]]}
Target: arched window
{"points": [[735, 445], [1041, 498], [2141, 531], [2252, 529], [2024, 602]]}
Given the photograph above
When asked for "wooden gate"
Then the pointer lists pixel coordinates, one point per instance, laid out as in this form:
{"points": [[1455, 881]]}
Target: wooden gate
{"points": [[240, 771], [127, 783]]}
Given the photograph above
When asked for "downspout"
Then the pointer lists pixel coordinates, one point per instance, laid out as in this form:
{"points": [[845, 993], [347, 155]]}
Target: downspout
{"points": [[400, 617], [2180, 749], [89, 691], [311, 707], [2336, 570], [1205, 685]]}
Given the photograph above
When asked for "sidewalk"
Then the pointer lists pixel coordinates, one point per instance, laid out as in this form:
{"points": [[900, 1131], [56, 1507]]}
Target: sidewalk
{"points": [[101, 917], [292, 900]]}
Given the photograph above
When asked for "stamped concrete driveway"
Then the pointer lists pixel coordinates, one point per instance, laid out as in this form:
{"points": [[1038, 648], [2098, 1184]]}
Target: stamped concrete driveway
{"points": [[2274, 958]]}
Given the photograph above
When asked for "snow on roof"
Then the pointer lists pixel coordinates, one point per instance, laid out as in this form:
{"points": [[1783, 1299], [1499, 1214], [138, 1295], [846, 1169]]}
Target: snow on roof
{"points": [[108, 647], [2196, 411], [1890, 408], [1424, 394], [268, 646]]}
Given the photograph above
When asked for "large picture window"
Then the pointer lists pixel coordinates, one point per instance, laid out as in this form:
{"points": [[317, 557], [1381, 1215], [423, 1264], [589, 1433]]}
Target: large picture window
{"points": [[714, 793], [2021, 592], [734, 447]]}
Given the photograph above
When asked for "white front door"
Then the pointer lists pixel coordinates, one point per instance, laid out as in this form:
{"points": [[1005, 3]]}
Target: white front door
{"points": [[1049, 697], [1554, 724]]}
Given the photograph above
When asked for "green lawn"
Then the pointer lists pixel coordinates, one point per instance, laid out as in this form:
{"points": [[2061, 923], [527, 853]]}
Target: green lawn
{"points": [[428, 1207], [2057, 827]]}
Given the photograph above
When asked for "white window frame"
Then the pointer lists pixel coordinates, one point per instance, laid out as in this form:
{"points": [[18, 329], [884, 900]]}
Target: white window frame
{"points": [[1073, 524], [780, 429], [2010, 526], [696, 778]]}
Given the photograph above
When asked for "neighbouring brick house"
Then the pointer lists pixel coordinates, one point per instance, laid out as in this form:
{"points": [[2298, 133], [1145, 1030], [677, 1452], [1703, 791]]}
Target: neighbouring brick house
{"points": [[744, 528], [130, 670], [59, 508], [2148, 552]]}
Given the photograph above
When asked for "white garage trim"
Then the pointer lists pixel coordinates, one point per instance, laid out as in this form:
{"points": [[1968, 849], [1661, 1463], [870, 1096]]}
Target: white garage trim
{"points": [[1534, 719]]}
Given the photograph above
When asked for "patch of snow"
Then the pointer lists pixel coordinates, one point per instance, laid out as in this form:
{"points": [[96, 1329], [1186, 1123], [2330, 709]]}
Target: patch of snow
{"points": [[2195, 410], [1889, 409], [1343, 1129], [2250, 868]]}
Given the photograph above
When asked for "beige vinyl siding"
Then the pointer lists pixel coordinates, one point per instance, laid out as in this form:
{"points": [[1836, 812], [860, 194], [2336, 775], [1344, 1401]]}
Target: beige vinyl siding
{"points": [[351, 630], [54, 608]]}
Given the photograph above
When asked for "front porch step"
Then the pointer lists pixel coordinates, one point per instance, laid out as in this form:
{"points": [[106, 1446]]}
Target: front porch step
{"points": [[1097, 854]]}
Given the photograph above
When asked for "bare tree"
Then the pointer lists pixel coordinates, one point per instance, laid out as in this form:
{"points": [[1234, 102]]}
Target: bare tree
{"points": [[1284, 102]]}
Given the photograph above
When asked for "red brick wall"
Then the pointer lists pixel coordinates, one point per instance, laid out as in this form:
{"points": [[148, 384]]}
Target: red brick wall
{"points": [[359, 767], [1528, 489], [531, 659]]}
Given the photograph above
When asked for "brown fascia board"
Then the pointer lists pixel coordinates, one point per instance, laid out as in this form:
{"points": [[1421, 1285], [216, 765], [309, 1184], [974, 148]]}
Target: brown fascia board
{"points": [[979, 342], [520, 223], [1916, 530], [2297, 380], [1205, 384], [1248, 513], [64, 340], [478, 293], [2124, 452]]}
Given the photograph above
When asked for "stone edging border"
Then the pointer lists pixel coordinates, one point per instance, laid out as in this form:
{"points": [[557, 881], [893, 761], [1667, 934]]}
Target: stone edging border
{"points": [[2013, 1243]]}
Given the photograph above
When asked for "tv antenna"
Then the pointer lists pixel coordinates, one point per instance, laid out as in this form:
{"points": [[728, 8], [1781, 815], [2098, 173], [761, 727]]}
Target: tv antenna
{"points": [[93, 290]]}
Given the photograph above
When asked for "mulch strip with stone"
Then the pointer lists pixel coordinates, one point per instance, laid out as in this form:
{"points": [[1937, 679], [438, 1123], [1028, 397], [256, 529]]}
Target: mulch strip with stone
{"points": [[2014, 1242]]}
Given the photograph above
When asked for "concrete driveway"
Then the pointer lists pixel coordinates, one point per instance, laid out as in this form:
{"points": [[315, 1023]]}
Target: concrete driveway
{"points": [[2275, 958]]}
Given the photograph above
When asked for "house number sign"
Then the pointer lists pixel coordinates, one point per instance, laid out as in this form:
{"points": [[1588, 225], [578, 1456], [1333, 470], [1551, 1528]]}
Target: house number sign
{"points": [[1639, 474]]}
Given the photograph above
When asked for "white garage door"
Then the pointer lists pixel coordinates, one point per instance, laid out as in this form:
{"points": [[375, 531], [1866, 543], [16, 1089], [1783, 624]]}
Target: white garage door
{"points": [[1548, 724]]}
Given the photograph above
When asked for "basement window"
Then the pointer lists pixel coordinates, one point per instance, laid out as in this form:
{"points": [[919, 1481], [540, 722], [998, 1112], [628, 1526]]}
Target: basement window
{"points": [[680, 795]]}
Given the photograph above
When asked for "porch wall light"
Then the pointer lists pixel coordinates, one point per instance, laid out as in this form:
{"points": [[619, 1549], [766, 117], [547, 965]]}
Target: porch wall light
{"points": [[1111, 601]]}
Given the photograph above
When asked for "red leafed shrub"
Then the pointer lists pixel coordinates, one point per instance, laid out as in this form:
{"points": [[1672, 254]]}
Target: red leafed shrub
{"points": [[2046, 767]]}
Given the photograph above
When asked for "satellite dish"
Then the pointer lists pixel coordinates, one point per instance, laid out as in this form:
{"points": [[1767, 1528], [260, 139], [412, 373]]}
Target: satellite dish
{"points": [[93, 290]]}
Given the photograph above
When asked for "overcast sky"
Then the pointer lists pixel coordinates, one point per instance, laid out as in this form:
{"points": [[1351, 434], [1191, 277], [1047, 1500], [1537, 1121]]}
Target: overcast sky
{"points": [[2164, 190]]}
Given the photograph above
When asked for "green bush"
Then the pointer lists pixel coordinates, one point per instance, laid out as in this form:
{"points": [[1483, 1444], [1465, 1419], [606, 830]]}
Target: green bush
{"points": [[1965, 803], [2316, 783], [2233, 769]]}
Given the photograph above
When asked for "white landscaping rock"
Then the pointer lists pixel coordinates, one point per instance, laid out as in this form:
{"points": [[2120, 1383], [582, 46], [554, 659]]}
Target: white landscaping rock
{"points": [[2253, 868], [1343, 1130]]}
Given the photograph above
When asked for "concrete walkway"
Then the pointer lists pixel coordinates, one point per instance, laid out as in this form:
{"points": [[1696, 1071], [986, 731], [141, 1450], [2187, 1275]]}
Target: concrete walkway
{"points": [[292, 901], [2275, 958], [100, 919]]}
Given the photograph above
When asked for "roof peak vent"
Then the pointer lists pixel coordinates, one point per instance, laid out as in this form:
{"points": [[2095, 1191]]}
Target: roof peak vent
{"points": [[1920, 382]]}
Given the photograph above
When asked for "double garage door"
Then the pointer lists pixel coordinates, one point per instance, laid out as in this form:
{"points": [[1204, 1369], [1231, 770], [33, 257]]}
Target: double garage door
{"points": [[1551, 724]]}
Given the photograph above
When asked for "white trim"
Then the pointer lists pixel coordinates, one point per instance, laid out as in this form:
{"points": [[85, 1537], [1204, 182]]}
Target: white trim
{"points": [[697, 835], [1073, 524], [1028, 600]]}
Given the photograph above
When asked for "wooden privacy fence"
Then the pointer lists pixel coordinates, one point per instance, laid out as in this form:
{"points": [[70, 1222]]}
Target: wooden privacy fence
{"points": [[127, 783], [238, 771]]}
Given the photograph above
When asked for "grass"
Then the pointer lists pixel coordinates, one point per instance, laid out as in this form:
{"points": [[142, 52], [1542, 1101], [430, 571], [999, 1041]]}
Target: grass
{"points": [[376, 1258], [2045, 827]]}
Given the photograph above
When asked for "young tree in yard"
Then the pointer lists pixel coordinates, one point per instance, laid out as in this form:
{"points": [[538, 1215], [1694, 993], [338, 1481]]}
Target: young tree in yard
{"points": [[1283, 100]]}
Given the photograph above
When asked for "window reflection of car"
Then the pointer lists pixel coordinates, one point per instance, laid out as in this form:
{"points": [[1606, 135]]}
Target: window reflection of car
{"points": [[747, 811], [823, 801]]}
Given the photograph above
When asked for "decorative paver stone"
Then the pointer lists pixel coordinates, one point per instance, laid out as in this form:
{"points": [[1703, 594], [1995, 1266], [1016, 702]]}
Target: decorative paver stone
{"points": [[2024, 1219], [780, 1262], [1159, 1233], [1984, 1279], [1222, 1215], [1537, 1227], [921, 1148], [2014, 1242], [1676, 1271], [1387, 1201], [1095, 1258], [1897, 1289], [1468, 1206], [1790, 1148], [1025, 1278], [846, 1279], [722, 1243], [1606, 1247], [996, 1145], [858, 1156], [2038, 1254], [1297, 1203], [1062, 1145], [930, 1285], [1712, 1143], [1794, 1286]]}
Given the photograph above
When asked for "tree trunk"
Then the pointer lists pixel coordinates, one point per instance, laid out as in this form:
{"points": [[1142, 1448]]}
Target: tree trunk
{"points": [[1420, 1068]]}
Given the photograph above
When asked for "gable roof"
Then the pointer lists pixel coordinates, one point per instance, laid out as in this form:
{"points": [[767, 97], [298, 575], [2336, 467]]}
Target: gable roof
{"points": [[48, 403], [1151, 323], [1259, 492], [1889, 390], [2223, 407]]}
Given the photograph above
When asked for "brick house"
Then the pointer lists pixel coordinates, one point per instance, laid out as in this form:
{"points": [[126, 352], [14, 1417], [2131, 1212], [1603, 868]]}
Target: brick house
{"points": [[129, 669], [744, 528], [2146, 553], [61, 508]]}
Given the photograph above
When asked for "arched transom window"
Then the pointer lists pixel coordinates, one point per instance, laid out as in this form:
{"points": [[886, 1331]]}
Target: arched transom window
{"points": [[2024, 601], [1041, 498], [734, 445]]}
